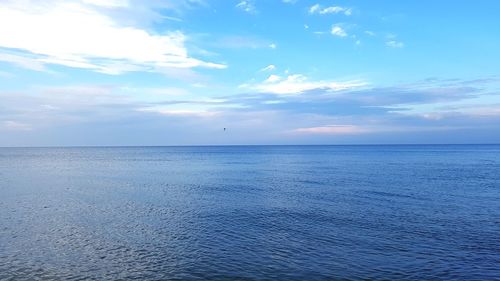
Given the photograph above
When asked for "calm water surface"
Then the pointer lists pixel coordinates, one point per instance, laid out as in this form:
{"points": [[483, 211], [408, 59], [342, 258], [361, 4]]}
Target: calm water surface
{"points": [[250, 213]]}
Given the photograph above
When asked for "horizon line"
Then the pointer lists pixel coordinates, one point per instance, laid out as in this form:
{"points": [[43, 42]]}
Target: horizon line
{"points": [[235, 145]]}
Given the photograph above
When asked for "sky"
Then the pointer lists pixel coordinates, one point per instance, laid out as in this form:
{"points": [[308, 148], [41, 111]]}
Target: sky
{"points": [[177, 72]]}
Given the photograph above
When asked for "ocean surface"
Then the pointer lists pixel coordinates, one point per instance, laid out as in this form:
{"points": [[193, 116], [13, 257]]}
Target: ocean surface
{"points": [[251, 213]]}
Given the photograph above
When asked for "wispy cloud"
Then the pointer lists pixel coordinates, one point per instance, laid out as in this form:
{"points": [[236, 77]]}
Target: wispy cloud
{"points": [[318, 9], [15, 126], [337, 30], [332, 130], [394, 44], [25, 61], [53, 33], [272, 79], [108, 3], [317, 113], [247, 6], [297, 83], [270, 67], [358, 99], [181, 113]]}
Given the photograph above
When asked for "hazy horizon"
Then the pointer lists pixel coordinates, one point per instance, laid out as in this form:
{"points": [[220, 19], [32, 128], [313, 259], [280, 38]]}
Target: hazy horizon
{"points": [[257, 145]]}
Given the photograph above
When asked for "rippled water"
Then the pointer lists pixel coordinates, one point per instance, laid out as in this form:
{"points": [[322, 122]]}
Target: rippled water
{"points": [[250, 213]]}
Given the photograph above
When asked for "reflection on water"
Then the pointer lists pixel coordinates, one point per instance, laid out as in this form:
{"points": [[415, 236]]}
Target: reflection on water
{"points": [[252, 213]]}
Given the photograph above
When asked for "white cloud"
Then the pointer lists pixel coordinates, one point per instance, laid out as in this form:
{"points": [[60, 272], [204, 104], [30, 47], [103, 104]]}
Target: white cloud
{"points": [[318, 9], [289, 1], [484, 110], [180, 112], [207, 107], [270, 67], [15, 126], [298, 83], [273, 102], [78, 35], [272, 46], [247, 6], [370, 33], [332, 130], [23, 61], [108, 3], [337, 30], [394, 44], [272, 79], [314, 9]]}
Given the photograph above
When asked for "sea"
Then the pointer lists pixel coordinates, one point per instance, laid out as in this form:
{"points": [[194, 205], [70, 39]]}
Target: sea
{"points": [[381, 212]]}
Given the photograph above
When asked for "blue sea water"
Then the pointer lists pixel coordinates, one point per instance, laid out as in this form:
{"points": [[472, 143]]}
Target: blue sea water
{"points": [[250, 213]]}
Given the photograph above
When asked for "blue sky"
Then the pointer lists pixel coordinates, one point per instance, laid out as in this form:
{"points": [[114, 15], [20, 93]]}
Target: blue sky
{"points": [[176, 72]]}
